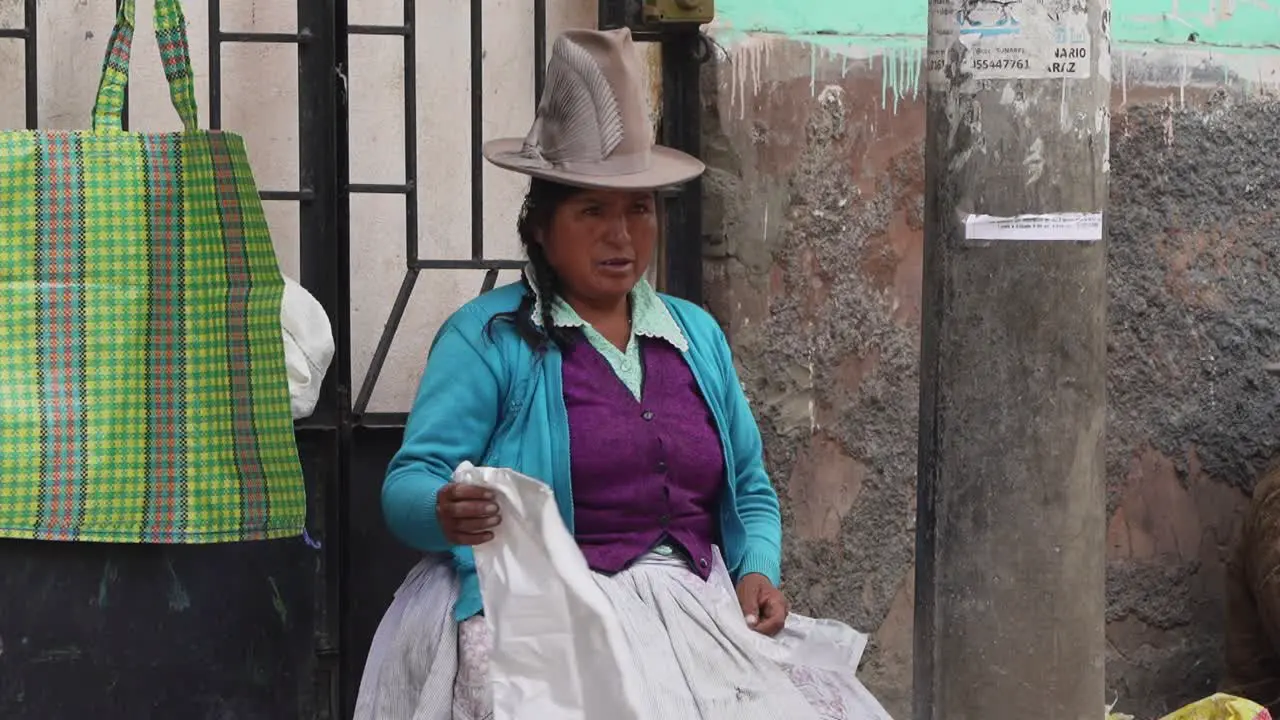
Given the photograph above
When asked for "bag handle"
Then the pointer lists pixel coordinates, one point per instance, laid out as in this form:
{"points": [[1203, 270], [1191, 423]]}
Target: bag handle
{"points": [[171, 36]]}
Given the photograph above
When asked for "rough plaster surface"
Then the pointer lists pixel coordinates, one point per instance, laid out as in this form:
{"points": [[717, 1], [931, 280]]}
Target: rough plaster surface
{"points": [[814, 199], [1192, 419], [821, 305]]}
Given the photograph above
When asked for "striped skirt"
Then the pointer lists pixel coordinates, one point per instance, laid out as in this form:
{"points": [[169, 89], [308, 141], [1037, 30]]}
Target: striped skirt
{"points": [[695, 655]]}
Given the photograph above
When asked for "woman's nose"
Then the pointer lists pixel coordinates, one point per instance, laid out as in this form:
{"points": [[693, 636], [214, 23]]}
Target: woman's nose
{"points": [[618, 229]]}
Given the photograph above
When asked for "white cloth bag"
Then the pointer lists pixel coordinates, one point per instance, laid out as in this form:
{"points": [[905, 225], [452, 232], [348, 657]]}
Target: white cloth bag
{"points": [[308, 346], [559, 652]]}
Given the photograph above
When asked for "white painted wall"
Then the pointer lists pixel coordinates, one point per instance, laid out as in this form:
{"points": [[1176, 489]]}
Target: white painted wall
{"points": [[260, 102]]}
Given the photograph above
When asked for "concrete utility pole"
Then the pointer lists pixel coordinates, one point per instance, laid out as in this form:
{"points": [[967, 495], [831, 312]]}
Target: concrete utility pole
{"points": [[1010, 551]]}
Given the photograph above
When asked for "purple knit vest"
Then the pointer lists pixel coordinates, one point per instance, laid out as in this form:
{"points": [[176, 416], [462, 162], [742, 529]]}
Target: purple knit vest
{"points": [[642, 471]]}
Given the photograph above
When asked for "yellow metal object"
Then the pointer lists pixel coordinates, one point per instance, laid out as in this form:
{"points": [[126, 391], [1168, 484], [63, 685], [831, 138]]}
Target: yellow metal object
{"points": [[698, 12]]}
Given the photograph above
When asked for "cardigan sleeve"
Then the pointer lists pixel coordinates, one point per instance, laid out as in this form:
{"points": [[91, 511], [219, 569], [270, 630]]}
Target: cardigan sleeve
{"points": [[452, 419], [757, 500]]}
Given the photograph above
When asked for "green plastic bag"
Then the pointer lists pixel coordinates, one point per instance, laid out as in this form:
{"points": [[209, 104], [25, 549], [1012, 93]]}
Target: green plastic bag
{"points": [[143, 392]]}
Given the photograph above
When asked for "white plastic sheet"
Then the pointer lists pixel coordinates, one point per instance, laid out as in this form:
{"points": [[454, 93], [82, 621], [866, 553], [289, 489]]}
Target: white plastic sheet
{"points": [[546, 612]]}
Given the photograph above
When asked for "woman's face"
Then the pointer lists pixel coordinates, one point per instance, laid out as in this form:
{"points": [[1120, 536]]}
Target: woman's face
{"points": [[601, 242]]}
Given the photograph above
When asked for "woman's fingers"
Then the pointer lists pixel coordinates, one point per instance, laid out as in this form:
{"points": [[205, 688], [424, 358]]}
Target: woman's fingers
{"points": [[767, 611], [467, 514], [471, 531], [773, 615], [459, 491], [471, 509], [470, 538], [476, 525]]}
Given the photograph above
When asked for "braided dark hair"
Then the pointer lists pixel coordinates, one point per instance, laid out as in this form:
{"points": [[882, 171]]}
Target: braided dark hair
{"points": [[540, 205]]}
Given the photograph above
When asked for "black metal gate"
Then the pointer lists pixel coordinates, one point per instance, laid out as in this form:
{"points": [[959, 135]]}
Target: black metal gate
{"points": [[274, 630]]}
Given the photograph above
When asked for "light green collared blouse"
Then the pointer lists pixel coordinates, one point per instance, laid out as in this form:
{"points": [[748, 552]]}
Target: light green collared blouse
{"points": [[649, 318]]}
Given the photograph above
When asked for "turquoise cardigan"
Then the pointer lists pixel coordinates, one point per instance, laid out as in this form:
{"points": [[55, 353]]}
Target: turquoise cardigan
{"points": [[487, 397]]}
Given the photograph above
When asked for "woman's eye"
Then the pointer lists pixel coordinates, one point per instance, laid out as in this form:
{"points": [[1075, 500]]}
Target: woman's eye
{"points": [[642, 209], [591, 210]]}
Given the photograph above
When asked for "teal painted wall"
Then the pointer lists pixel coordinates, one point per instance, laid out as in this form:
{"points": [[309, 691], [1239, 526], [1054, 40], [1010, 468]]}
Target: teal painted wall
{"points": [[1242, 24], [871, 18], [1227, 23]]}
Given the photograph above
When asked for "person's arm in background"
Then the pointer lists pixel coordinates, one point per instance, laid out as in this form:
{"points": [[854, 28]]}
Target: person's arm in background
{"points": [[452, 420], [1262, 557]]}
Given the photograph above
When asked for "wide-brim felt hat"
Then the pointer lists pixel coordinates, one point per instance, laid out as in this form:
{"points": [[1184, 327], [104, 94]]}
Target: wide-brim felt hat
{"points": [[592, 126]]}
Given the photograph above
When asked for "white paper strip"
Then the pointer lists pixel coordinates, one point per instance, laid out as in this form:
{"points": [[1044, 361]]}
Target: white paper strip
{"points": [[1071, 227]]}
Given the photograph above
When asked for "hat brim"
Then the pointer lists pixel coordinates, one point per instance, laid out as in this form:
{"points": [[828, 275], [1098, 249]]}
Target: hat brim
{"points": [[668, 167]]}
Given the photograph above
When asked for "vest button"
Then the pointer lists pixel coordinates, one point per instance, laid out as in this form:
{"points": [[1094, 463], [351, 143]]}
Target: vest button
{"points": [[647, 415], [662, 466], [702, 562], [665, 520]]}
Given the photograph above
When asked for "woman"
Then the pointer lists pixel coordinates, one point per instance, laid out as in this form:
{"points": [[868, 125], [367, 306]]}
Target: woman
{"points": [[627, 404]]}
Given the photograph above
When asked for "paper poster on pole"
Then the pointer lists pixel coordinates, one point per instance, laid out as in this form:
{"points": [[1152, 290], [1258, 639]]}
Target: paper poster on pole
{"points": [[1009, 39], [1055, 227]]}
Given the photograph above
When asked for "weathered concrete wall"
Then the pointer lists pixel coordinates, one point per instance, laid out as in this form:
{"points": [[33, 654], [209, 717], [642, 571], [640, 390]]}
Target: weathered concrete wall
{"points": [[815, 195], [1194, 303], [814, 206]]}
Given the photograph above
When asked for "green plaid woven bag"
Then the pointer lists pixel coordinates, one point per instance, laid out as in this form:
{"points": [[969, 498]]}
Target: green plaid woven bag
{"points": [[143, 391]]}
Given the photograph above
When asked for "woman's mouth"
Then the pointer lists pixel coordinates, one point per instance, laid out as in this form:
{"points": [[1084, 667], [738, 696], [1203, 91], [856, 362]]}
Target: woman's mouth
{"points": [[617, 265]]}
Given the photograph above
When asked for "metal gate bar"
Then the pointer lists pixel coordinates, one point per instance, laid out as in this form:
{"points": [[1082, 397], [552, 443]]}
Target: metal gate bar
{"points": [[324, 439], [27, 34], [683, 52], [415, 263], [374, 437], [322, 254], [477, 116], [408, 189]]}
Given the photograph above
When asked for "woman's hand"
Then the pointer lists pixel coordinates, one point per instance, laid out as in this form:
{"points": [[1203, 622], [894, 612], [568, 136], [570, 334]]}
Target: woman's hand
{"points": [[763, 605], [467, 513]]}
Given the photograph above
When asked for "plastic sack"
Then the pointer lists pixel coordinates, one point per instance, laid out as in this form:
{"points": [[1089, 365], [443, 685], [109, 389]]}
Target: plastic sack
{"points": [[1214, 707], [558, 649], [1221, 707], [308, 346]]}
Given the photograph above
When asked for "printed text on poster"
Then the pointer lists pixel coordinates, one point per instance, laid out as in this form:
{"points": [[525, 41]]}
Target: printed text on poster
{"points": [[1069, 227], [1009, 39]]}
